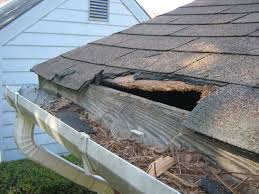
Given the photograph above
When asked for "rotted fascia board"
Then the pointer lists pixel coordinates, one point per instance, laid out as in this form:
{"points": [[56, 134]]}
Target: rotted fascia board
{"points": [[136, 10], [120, 174], [166, 126]]}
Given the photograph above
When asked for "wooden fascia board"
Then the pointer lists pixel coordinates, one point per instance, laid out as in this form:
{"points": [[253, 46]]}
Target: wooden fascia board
{"points": [[162, 121]]}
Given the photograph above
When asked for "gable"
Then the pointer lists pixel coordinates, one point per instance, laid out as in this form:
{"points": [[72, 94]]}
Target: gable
{"points": [[48, 29], [117, 7]]}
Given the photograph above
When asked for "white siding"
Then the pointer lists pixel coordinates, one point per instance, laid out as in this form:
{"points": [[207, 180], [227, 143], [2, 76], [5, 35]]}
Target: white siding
{"points": [[20, 65], [79, 16], [62, 40], [63, 28]]}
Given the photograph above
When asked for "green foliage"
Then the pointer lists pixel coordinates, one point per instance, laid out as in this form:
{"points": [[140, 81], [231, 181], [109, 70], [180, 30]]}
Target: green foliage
{"points": [[27, 177]]}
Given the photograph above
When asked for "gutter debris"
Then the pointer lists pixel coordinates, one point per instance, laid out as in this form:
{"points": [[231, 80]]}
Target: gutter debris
{"points": [[184, 169]]}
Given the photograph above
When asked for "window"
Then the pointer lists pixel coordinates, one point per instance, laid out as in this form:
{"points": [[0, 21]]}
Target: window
{"points": [[98, 10]]}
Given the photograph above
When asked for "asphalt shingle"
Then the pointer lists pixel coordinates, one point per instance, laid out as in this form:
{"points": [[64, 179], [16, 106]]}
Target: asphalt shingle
{"points": [[157, 61], [161, 43], [230, 114], [97, 53], [76, 76], [159, 30], [163, 19], [52, 67], [112, 40], [256, 33], [239, 69], [218, 30], [207, 19], [136, 60], [233, 45], [198, 10], [251, 18], [243, 9]]}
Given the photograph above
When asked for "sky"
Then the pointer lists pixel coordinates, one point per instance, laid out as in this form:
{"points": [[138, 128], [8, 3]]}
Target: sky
{"points": [[158, 7]]}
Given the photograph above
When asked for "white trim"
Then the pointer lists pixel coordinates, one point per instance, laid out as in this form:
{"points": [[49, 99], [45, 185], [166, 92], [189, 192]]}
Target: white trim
{"points": [[27, 19], [136, 10]]}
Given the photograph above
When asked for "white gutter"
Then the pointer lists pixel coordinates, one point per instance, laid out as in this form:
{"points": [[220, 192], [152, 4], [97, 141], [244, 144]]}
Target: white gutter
{"points": [[23, 134], [121, 175]]}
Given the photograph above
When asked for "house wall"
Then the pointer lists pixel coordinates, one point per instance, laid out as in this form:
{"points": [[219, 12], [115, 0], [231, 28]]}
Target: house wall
{"points": [[63, 28]]}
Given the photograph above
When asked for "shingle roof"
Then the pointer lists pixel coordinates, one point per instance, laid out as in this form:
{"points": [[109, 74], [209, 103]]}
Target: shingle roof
{"points": [[210, 39], [14, 9], [215, 40]]}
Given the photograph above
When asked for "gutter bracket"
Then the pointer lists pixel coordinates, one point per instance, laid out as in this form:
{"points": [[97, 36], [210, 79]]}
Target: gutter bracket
{"points": [[17, 104], [83, 147]]}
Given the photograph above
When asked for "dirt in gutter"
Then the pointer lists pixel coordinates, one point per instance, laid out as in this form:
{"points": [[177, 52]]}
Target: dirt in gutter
{"points": [[192, 172]]}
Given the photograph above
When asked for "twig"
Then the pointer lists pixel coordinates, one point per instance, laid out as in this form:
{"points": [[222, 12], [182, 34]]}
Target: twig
{"points": [[155, 169], [257, 175], [181, 181], [239, 184], [178, 163], [177, 158]]}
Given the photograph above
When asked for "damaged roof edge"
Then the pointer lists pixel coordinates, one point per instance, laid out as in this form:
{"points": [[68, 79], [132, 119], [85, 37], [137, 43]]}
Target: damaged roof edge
{"points": [[94, 98]]}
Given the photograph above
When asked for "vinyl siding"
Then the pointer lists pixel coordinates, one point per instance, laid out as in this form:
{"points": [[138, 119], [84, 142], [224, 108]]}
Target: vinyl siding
{"points": [[63, 28]]}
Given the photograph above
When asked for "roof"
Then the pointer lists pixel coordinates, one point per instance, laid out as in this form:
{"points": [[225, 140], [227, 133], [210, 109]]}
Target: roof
{"points": [[206, 39], [13, 9], [215, 40]]}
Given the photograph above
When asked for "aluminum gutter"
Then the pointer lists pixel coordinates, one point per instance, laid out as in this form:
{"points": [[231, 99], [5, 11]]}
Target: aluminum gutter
{"points": [[121, 175]]}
